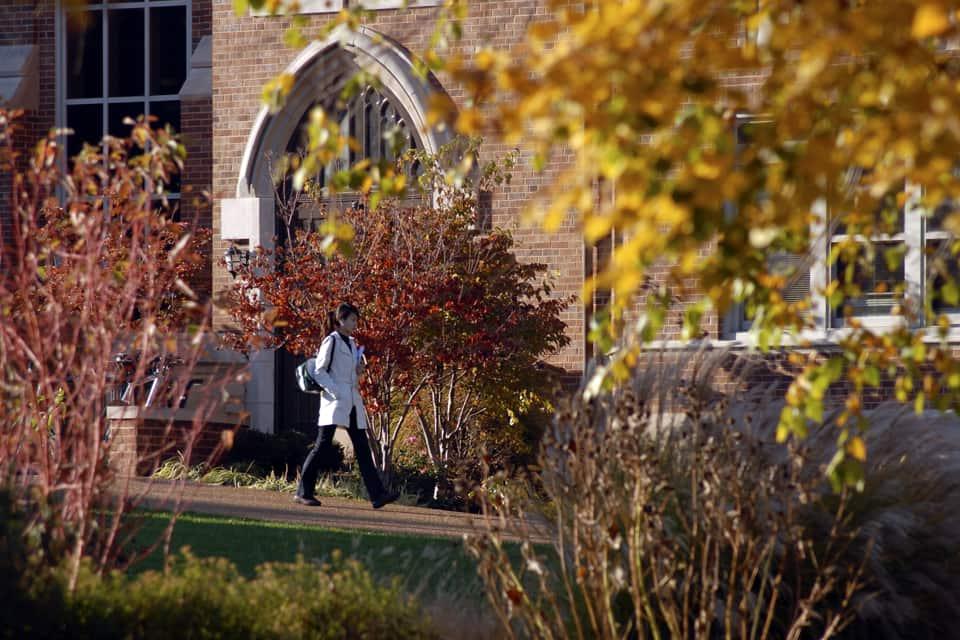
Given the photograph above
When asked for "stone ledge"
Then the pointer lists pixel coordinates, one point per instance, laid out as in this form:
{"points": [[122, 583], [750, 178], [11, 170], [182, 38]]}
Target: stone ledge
{"points": [[19, 80], [199, 82]]}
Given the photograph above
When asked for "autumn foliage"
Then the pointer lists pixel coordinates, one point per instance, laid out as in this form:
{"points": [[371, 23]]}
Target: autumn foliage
{"points": [[731, 135], [95, 267], [454, 326]]}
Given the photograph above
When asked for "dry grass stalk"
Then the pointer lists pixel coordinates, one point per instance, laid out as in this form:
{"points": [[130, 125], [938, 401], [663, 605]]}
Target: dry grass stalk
{"points": [[670, 522], [907, 518]]}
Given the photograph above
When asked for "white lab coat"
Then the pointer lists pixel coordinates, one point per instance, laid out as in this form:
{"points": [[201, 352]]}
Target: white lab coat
{"points": [[341, 388]]}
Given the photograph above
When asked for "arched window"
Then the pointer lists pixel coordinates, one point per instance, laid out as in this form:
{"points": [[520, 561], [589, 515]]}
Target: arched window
{"points": [[382, 132]]}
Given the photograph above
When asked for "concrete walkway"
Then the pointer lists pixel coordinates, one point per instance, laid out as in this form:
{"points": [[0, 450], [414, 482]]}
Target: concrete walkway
{"points": [[339, 513]]}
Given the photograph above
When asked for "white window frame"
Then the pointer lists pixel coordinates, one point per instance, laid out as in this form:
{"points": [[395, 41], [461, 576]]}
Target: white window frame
{"points": [[828, 327], [915, 235], [379, 5], [913, 267], [62, 102], [930, 236]]}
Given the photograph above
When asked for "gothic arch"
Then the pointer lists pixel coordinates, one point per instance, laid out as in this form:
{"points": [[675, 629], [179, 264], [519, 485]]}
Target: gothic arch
{"points": [[319, 70]]}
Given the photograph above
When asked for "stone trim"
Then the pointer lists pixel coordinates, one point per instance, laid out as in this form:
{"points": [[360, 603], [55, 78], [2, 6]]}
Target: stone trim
{"points": [[249, 220], [19, 80], [199, 82], [333, 6], [371, 51]]}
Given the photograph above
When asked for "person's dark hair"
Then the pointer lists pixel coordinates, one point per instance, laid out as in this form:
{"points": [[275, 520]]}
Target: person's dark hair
{"points": [[343, 311]]}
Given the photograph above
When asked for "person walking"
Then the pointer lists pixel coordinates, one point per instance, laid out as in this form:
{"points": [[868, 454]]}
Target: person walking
{"points": [[339, 365]]}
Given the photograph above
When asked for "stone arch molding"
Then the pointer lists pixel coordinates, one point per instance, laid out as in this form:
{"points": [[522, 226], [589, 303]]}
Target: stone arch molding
{"points": [[316, 70], [248, 218]]}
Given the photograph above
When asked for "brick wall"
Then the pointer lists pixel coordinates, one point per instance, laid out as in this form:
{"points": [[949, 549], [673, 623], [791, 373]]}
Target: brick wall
{"points": [[249, 51], [202, 12], [196, 204], [196, 130], [196, 117], [6, 183], [30, 22], [22, 135], [139, 446]]}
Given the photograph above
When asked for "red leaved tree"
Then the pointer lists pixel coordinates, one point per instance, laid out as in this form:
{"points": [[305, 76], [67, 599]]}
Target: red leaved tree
{"points": [[93, 265], [491, 322], [454, 326]]}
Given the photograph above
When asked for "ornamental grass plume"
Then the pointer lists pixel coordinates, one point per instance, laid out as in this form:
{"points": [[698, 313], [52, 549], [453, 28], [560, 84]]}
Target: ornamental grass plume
{"points": [[669, 522], [907, 519], [677, 514]]}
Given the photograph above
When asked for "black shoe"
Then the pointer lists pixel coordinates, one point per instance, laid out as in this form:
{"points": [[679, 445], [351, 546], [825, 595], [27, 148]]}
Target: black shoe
{"points": [[308, 502], [385, 499]]}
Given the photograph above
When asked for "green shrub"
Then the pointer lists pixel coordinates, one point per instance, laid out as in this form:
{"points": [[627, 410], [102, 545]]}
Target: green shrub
{"points": [[195, 598], [208, 598], [31, 605]]}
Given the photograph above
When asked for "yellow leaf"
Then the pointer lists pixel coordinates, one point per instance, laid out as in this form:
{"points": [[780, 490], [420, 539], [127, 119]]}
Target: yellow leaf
{"points": [[706, 170], [931, 19], [486, 59], [596, 226], [469, 122], [667, 211], [857, 448]]}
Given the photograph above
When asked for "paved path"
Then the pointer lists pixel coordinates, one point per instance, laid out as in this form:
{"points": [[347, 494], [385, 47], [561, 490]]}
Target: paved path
{"points": [[340, 513]]}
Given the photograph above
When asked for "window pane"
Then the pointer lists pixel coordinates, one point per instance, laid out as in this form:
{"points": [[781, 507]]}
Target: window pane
{"points": [[299, 141], [169, 207], [84, 54], [755, 132], [86, 120], [940, 214], [117, 112], [370, 133], [372, 120], [168, 112], [942, 266], [878, 283], [126, 52], [887, 216], [793, 267], [168, 54]]}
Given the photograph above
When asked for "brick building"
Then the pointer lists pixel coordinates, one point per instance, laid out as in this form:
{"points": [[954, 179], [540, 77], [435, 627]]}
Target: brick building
{"points": [[195, 64]]}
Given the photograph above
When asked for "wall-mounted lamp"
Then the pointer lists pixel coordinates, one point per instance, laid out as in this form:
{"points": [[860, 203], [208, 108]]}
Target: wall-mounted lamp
{"points": [[236, 259]]}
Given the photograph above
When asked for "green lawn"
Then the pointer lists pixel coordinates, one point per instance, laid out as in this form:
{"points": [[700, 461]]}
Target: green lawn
{"points": [[424, 565]]}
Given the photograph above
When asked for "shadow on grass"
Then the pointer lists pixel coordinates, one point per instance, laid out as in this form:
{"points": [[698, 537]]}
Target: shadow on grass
{"points": [[248, 543]]}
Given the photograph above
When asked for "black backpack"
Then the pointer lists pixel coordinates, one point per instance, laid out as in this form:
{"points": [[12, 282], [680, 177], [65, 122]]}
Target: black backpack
{"points": [[305, 381]]}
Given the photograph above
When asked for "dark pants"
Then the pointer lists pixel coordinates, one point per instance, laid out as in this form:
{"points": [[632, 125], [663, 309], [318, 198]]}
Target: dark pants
{"points": [[361, 449]]}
